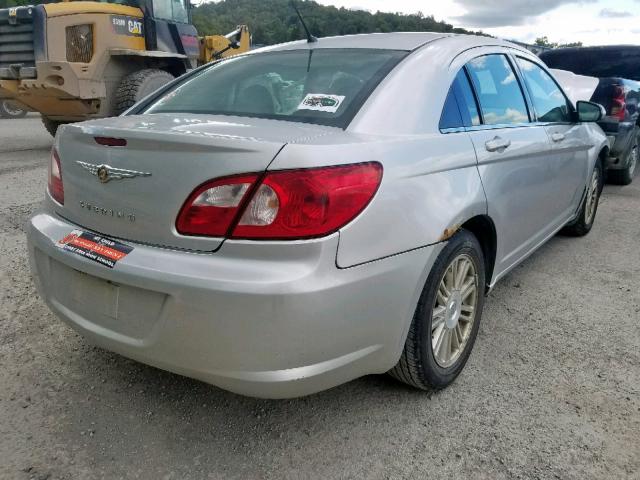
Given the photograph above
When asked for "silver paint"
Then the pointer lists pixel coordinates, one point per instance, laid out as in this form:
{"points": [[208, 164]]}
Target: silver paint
{"points": [[280, 319]]}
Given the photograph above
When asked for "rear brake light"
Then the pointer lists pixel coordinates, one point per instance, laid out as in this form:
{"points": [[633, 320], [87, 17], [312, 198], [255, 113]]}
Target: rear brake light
{"points": [[110, 141], [289, 204], [308, 203], [618, 104], [56, 189]]}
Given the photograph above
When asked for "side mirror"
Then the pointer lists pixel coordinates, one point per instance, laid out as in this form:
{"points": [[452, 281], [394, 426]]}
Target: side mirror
{"points": [[589, 111]]}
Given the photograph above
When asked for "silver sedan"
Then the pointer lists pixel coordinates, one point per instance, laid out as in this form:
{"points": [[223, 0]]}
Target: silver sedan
{"points": [[287, 220]]}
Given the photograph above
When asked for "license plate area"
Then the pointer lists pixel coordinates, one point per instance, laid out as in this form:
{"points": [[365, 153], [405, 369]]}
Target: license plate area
{"points": [[101, 295], [117, 307]]}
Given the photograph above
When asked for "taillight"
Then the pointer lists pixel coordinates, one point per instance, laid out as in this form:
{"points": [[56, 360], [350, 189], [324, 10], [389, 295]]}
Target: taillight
{"points": [[288, 204], [308, 203], [618, 104], [56, 190], [212, 207]]}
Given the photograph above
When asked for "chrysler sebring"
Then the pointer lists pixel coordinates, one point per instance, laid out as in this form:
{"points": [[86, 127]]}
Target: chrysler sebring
{"points": [[284, 221]]}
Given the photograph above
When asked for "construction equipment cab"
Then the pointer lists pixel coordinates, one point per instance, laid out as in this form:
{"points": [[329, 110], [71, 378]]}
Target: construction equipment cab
{"points": [[75, 60]]}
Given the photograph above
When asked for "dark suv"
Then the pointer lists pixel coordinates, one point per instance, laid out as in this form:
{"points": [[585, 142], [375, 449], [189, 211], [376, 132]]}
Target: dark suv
{"points": [[618, 91]]}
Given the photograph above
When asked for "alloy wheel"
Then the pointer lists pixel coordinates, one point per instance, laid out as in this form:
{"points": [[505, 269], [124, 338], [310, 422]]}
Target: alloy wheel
{"points": [[592, 196], [633, 160], [454, 310]]}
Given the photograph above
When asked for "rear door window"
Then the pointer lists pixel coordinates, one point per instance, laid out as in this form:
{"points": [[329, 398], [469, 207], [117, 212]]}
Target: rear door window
{"points": [[498, 90], [549, 103]]}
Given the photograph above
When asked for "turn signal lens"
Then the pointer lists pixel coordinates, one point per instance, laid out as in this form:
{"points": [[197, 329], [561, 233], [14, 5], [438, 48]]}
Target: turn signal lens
{"points": [[263, 208], [290, 204], [56, 189], [212, 207]]}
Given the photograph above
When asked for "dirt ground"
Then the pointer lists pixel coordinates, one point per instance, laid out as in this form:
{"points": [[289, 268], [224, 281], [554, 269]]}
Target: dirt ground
{"points": [[552, 389]]}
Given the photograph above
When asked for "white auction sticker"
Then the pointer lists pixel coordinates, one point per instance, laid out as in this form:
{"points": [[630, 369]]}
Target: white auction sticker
{"points": [[321, 102]]}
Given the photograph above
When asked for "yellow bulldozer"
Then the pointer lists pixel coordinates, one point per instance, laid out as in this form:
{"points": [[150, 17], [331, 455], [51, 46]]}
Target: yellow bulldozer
{"points": [[76, 60]]}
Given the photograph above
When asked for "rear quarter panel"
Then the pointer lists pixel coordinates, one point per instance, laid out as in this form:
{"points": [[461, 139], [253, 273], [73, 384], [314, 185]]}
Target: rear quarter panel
{"points": [[430, 184]]}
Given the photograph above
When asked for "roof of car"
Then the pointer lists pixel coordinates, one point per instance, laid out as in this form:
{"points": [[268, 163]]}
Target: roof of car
{"points": [[613, 61], [393, 41]]}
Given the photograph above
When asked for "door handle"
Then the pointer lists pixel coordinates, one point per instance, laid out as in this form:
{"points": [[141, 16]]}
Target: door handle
{"points": [[497, 144], [557, 137]]}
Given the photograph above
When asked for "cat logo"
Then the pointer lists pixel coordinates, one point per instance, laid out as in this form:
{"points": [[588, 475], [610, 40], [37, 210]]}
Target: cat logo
{"points": [[13, 12], [135, 27]]}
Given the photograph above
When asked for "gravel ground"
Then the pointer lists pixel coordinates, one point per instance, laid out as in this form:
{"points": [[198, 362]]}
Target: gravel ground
{"points": [[550, 391]]}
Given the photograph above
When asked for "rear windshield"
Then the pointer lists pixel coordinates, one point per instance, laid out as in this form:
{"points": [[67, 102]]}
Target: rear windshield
{"points": [[324, 86]]}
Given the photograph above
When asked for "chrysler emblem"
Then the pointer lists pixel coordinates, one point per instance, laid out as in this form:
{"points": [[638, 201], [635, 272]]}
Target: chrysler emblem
{"points": [[103, 174], [107, 172]]}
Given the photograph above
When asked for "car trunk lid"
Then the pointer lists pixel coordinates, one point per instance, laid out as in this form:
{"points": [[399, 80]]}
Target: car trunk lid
{"points": [[165, 158]]}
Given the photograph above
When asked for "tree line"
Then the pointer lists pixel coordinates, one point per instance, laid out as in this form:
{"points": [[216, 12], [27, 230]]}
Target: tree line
{"points": [[275, 21]]}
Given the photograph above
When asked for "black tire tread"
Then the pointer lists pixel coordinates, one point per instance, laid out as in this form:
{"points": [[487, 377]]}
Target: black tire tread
{"points": [[407, 369], [579, 228], [127, 93], [624, 176], [50, 125], [4, 113], [410, 368]]}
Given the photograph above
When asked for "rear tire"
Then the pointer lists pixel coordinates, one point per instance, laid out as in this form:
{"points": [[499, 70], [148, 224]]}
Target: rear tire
{"points": [[51, 125], [582, 225], [137, 85], [9, 109], [625, 176], [447, 318]]}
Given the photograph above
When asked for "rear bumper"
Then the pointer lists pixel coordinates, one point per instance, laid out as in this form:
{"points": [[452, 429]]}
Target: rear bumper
{"points": [[268, 320]]}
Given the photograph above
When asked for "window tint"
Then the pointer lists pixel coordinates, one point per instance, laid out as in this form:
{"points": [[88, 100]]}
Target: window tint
{"points": [[451, 117], [549, 102], [460, 107], [325, 86], [468, 106], [498, 90]]}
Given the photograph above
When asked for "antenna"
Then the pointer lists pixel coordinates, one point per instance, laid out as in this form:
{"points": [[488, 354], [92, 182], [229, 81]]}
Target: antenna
{"points": [[310, 38]]}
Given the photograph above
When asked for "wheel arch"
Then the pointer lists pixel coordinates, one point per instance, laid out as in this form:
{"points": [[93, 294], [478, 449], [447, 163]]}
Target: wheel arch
{"points": [[602, 158], [484, 229]]}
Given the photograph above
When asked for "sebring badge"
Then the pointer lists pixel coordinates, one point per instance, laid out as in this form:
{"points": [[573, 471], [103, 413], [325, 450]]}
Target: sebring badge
{"points": [[106, 172]]}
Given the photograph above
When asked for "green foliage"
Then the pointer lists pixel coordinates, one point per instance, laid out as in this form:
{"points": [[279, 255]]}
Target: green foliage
{"points": [[14, 3], [274, 21], [544, 42]]}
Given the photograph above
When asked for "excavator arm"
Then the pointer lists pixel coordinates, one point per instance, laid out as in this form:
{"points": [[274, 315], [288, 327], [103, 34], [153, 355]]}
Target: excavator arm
{"points": [[215, 47]]}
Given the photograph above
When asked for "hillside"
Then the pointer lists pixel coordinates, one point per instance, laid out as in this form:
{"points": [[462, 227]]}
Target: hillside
{"points": [[274, 21]]}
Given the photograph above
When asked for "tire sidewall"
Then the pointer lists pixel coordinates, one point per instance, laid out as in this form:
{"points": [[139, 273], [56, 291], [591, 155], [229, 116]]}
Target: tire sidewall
{"points": [[462, 242], [5, 111], [153, 82], [629, 173], [136, 86]]}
